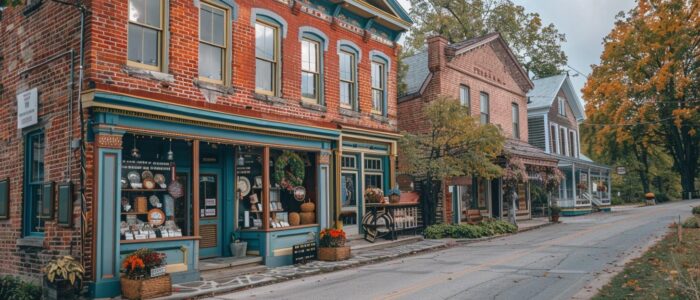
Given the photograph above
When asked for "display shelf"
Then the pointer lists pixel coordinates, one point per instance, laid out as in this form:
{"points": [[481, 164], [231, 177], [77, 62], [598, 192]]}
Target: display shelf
{"points": [[134, 213], [144, 190]]}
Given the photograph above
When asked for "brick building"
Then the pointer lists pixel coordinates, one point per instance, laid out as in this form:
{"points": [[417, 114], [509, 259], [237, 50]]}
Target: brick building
{"points": [[554, 114], [484, 75], [201, 121]]}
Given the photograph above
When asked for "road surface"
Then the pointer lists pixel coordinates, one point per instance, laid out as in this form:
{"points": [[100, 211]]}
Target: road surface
{"points": [[554, 262]]}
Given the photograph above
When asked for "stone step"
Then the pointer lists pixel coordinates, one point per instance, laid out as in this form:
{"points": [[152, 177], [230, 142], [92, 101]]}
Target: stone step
{"points": [[221, 275], [228, 262]]}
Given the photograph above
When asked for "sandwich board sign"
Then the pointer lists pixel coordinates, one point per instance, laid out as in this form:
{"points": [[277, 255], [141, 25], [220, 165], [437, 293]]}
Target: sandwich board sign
{"points": [[27, 108]]}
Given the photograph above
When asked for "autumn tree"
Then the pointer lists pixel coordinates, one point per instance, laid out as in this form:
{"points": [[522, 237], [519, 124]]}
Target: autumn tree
{"points": [[454, 144], [537, 46], [645, 92]]}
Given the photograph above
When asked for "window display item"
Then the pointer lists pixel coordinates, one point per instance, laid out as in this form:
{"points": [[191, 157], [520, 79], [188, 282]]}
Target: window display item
{"points": [[308, 207], [141, 204], [169, 205], [125, 203], [160, 180], [294, 219], [134, 180], [253, 198], [146, 175], [124, 183], [149, 184], [258, 182], [307, 218], [299, 193], [175, 189], [156, 217], [155, 201], [243, 185]]}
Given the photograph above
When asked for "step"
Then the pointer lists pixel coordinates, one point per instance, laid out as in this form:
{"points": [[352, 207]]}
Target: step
{"points": [[228, 262], [225, 268]]}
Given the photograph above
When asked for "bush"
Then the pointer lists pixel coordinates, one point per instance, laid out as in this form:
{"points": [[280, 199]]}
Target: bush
{"points": [[692, 222], [12, 288], [461, 231], [662, 197], [696, 210]]}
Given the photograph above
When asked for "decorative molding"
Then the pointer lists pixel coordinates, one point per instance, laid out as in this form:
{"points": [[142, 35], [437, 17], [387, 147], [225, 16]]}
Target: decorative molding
{"points": [[255, 12], [108, 141], [314, 31], [324, 158], [352, 45]]}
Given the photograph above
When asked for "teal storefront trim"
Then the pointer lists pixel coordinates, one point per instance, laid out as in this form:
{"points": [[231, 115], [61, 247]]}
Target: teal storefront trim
{"points": [[573, 213], [276, 246], [180, 254]]}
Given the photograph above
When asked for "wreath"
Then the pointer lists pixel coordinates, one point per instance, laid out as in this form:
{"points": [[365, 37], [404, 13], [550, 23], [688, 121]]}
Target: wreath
{"points": [[289, 170]]}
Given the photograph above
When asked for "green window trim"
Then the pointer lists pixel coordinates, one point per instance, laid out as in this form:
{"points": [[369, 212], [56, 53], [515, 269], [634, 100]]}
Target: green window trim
{"points": [[34, 176]]}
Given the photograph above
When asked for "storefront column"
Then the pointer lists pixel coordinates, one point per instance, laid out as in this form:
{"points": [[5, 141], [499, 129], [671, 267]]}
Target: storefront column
{"points": [[336, 209], [266, 188], [324, 160], [393, 155], [105, 218], [573, 182]]}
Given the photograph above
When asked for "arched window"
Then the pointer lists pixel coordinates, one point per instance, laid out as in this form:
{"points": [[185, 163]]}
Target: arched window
{"points": [[313, 44], [270, 28]]}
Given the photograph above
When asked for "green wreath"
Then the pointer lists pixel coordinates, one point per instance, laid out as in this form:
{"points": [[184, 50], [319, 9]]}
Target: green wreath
{"points": [[296, 173]]}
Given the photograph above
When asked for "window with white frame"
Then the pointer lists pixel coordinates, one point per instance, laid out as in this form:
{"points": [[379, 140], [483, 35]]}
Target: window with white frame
{"points": [[572, 143], [348, 78], [374, 173], [266, 57], [145, 34], [562, 106], [378, 86], [562, 141], [310, 70]]}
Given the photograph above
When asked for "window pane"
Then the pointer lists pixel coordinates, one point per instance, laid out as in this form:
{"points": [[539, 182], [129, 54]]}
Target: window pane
{"points": [[210, 61], [137, 11], [135, 43], [37, 158], [205, 25], [484, 103], [219, 26], [373, 181], [377, 99], [345, 93], [264, 41], [150, 46], [309, 56], [263, 75], [308, 85], [377, 76], [346, 68], [484, 118], [464, 96], [35, 196], [153, 13]]}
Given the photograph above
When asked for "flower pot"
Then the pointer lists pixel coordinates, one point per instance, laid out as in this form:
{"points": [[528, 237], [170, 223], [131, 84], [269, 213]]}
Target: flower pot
{"points": [[146, 288], [555, 218], [59, 289], [239, 249], [333, 254]]}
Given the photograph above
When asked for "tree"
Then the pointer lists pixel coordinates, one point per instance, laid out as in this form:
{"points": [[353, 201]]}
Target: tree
{"points": [[453, 144], [646, 90], [537, 46]]}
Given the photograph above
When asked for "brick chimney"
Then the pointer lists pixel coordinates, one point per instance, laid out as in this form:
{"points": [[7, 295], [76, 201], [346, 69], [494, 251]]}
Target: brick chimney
{"points": [[436, 52]]}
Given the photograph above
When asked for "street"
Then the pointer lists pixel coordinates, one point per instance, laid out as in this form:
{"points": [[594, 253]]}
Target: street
{"points": [[553, 262]]}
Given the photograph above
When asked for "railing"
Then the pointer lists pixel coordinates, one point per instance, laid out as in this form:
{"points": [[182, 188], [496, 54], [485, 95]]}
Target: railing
{"points": [[388, 219], [564, 202]]}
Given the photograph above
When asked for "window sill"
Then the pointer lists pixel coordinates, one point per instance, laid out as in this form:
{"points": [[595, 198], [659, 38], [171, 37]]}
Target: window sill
{"points": [[31, 242], [269, 99], [380, 118], [229, 90], [313, 106], [148, 74], [349, 112]]}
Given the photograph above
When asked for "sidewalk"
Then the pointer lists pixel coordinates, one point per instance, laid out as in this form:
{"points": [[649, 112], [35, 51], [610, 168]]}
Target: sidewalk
{"points": [[533, 223], [273, 275]]}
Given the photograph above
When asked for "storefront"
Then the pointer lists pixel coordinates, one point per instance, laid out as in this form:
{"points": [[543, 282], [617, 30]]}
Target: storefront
{"points": [[186, 182]]}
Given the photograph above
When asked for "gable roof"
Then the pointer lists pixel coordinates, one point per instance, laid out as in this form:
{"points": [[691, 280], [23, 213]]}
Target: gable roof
{"points": [[388, 12], [546, 89], [418, 73]]}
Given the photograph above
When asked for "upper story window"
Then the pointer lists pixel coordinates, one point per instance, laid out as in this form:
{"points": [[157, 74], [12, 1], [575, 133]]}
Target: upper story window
{"points": [[348, 79], [310, 70], [145, 37], [213, 41], [562, 106], [464, 97], [348, 162], [34, 180], [266, 58], [572, 143], [378, 86], [553, 139], [484, 107], [515, 113], [562, 141]]}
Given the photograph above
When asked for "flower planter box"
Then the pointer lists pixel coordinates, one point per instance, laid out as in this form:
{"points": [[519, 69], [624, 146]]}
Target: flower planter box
{"points": [[334, 254], [146, 288]]}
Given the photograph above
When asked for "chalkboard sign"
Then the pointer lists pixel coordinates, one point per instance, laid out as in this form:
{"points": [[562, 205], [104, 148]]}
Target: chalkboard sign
{"points": [[303, 253]]}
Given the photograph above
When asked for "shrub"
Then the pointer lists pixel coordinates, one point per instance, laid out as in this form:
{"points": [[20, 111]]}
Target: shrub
{"points": [[469, 231], [692, 222], [696, 210], [12, 288], [662, 197]]}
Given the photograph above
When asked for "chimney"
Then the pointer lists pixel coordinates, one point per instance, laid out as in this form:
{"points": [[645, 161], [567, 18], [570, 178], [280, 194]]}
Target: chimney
{"points": [[436, 52]]}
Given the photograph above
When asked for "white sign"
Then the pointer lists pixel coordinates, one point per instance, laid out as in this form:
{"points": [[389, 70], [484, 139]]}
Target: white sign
{"points": [[621, 171], [27, 111]]}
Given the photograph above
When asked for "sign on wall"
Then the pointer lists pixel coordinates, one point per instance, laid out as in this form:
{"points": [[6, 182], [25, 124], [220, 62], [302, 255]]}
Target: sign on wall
{"points": [[621, 170], [27, 108]]}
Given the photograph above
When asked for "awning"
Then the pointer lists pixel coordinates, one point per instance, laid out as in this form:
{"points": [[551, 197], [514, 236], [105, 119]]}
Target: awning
{"points": [[529, 154]]}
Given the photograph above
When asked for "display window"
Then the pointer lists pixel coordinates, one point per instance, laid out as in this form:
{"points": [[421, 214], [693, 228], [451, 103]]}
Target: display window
{"points": [[155, 198]]}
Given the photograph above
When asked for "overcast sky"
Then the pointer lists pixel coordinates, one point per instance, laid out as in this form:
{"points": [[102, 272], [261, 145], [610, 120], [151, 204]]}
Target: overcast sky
{"points": [[585, 23]]}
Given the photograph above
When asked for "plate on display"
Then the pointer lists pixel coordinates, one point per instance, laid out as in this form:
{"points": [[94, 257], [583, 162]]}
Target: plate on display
{"points": [[156, 217], [149, 184], [146, 175], [134, 177], [299, 193], [125, 183], [243, 185]]}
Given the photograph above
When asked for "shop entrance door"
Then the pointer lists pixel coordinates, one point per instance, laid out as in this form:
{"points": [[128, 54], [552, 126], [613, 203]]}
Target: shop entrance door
{"points": [[210, 227]]}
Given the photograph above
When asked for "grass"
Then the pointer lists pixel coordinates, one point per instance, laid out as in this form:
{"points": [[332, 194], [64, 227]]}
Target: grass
{"points": [[669, 270]]}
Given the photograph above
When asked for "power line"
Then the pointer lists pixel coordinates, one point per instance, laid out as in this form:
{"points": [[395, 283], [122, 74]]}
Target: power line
{"points": [[626, 124]]}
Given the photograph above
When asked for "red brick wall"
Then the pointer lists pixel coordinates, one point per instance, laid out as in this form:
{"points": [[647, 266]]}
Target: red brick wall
{"points": [[26, 41], [108, 56]]}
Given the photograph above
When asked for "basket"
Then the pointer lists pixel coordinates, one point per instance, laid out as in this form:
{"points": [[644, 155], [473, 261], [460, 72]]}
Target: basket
{"points": [[333, 254], [141, 204], [307, 218], [146, 288]]}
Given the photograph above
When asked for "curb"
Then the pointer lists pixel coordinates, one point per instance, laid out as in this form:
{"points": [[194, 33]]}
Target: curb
{"points": [[488, 238], [223, 290]]}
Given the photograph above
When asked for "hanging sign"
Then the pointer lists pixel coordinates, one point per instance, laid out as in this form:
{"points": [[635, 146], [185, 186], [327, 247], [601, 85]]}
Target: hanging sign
{"points": [[27, 108], [621, 170]]}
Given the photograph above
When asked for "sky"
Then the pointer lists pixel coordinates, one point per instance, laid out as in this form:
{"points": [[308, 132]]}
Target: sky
{"points": [[585, 23]]}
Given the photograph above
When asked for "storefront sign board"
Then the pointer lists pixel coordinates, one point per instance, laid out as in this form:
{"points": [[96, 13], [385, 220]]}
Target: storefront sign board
{"points": [[27, 108]]}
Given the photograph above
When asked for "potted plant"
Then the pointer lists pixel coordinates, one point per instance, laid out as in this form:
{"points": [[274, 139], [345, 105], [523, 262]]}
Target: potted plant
{"points": [[555, 211], [144, 275], [62, 278], [332, 245], [374, 195], [651, 198], [238, 247], [395, 195]]}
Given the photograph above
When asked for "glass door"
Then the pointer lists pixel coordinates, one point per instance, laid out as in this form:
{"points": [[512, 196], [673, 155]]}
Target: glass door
{"points": [[210, 227]]}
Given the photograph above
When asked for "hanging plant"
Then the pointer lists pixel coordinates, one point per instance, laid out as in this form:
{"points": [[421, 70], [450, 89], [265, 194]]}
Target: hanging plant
{"points": [[289, 170]]}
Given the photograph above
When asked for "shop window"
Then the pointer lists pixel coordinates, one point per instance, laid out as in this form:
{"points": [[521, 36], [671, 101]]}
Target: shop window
{"points": [[349, 162], [34, 177], [378, 86], [145, 34], [156, 201], [311, 70], [266, 57], [374, 173], [213, 41], [484, 107], [483, 193]]}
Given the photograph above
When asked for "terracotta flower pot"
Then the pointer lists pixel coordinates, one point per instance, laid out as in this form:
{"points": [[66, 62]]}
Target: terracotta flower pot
{"points": [[333, 254]]}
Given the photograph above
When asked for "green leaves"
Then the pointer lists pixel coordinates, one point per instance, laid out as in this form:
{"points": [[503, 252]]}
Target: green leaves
{"points": [[65, 267]]}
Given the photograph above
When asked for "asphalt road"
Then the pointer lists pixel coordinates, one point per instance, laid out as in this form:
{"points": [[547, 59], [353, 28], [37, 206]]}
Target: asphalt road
{"points": [[554, 262]]}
